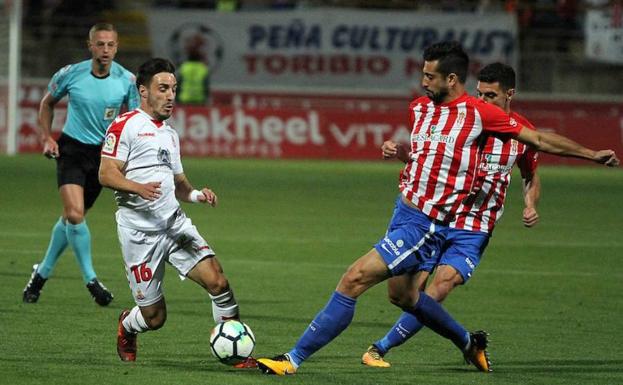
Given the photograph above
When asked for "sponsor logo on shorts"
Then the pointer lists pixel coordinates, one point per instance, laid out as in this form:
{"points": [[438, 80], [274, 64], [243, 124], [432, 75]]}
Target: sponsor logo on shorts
{"points": [[391, 245], [470, 263]]}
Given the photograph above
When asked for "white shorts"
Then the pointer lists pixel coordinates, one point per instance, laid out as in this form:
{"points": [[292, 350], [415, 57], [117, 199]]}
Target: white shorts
{"points": [[144, 254]]}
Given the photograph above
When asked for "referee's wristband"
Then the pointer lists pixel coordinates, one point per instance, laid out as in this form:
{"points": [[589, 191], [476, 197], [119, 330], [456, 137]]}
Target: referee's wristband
{"points": [[194, 196]]}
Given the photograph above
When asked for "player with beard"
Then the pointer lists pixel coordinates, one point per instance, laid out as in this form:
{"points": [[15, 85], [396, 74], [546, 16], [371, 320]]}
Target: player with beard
{"points": [[476, 218], [448, 128]]}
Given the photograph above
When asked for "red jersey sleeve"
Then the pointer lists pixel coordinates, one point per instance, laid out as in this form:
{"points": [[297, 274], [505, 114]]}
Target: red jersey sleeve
{"points": [[112, 141], [420, 100], [495, 120], [528, 161]]}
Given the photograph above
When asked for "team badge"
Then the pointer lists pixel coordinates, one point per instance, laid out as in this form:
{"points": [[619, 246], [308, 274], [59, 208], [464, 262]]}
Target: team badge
{"points": [[164, 156], [140, 295], [460, 119], [514, 147]]}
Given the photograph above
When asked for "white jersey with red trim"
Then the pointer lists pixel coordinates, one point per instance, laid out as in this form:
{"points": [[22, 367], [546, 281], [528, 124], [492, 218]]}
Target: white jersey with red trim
{"points": [[485, 205], [446, 144], [150, 150]]}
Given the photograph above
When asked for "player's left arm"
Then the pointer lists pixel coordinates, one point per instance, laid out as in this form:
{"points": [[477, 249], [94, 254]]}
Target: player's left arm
{"points": [[391, 149], [531, 196], [563, 146], [185, 192], [528, 163]]}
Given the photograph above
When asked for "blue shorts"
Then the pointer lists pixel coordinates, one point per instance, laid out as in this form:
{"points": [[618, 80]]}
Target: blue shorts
{"points": [[412, 240], [462, 250]]}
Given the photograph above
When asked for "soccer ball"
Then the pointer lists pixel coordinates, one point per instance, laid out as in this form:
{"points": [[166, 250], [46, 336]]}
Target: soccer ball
{"points": [[232, 342]]}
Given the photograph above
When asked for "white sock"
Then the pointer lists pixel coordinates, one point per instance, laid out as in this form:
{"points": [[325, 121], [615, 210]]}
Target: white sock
{"points": [[224, 306], [134, 322]]}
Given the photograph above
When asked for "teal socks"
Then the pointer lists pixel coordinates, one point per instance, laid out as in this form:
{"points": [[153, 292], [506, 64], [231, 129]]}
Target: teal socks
{"points": [[79, 237], [58, 243]]}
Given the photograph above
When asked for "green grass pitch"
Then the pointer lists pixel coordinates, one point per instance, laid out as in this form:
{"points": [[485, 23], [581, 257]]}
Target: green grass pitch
{"points": [[285, 232]]}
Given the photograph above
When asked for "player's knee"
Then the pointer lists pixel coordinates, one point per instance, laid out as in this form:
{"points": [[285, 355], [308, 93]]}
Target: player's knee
{"points": [[439, 290], [156, 320], [394, 298], [218, 285], [404, 301], [74, 215], [351, 280]]}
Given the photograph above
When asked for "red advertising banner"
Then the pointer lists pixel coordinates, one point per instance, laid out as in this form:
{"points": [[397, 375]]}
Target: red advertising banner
{"points": [[288, 127]]}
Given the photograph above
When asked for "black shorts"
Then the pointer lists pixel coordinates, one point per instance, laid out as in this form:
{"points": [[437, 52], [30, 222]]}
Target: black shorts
{"points": [[79, 163]]}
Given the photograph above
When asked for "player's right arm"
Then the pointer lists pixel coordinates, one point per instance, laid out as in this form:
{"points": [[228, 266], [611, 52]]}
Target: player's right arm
{"points": [[111, 175], [392, 149], [57, 88], [45, 118]]}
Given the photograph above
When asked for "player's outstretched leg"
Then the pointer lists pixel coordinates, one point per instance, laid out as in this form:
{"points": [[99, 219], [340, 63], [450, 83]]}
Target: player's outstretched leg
{"points": [[32, 291], [405, 327], [328, 324], [476, 353]]}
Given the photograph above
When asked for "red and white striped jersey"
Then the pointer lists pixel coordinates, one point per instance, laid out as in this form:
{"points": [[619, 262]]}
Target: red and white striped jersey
{"points": [[446, 144], [150, 150], [485, 205]]}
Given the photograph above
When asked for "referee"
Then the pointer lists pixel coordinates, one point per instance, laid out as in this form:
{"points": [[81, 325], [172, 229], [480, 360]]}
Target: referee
{"points": [[97, 89]]}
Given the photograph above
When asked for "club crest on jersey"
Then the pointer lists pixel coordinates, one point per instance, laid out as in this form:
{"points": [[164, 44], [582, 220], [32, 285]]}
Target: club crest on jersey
{"points": [[164, 156], [461, 119], [514, 147]]}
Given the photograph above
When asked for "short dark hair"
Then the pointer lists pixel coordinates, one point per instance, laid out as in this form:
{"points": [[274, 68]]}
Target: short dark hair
{"points": [[451, 57], [101, 27], [498, 73], [151, 67]]}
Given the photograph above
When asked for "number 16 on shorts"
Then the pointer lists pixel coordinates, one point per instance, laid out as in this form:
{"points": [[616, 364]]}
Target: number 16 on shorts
{"points": [[142, 273]]}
